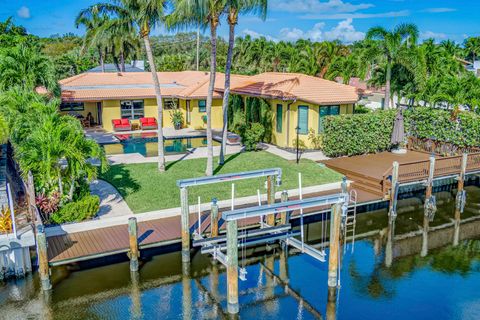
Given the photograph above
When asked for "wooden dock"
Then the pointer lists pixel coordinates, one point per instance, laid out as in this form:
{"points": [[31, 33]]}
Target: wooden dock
{"points": [[102, 242], [372, 172]]}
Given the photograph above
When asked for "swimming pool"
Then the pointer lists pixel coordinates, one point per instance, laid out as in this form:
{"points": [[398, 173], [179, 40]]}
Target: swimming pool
{"points": [[147, 144]]}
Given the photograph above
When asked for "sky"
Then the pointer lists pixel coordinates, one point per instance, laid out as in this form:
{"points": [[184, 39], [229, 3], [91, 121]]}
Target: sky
{"points": [[288, 20]]}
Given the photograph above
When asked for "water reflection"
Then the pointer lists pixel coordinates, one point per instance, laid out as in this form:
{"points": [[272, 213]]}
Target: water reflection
{"points": [[386, 272]]}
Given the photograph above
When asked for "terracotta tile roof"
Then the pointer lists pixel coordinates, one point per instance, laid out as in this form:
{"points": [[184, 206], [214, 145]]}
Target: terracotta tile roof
{"points": [[295, 86], [194, 85]]}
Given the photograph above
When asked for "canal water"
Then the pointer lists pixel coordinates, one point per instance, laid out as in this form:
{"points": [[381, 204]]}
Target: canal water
{"points": [[442, 283]]}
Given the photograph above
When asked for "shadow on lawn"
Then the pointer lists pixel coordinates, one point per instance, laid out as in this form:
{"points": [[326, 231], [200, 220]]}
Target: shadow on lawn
{"points": [[230, 158], [119, 176], [171, 164]]}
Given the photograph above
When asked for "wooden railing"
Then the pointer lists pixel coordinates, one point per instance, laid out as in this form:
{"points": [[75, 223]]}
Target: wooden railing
{"points": [[418, 170], [440, 148]]}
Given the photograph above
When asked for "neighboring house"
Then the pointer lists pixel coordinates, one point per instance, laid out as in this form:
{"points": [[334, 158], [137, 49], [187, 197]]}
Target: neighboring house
{"points": [[297, 100], [370, 97], [134, 66], [475, 68]]}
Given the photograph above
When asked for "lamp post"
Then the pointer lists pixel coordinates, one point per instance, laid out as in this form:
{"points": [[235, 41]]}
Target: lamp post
{"points": [[297, 129]]}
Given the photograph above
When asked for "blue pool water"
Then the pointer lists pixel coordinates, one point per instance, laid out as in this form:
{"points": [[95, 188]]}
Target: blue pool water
{"points": [[147, 144]]}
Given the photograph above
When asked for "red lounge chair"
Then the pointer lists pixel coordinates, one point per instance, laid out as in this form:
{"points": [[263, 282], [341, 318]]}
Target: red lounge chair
{"points": [[148, 123], [121, 125]]}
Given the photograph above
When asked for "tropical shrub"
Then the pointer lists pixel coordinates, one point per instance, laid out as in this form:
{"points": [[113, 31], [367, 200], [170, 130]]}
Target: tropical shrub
{"points": [[176, 116], [80, 210], [5, 220], [48, 204], [316, 140], [355, 134], [252, 136]]}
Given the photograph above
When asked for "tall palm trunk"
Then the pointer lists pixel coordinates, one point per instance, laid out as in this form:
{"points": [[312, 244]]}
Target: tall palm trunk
{"points": [[213, 70], [158, 94], [102, 60], [122, 61], [226, 95], [387, 85]]}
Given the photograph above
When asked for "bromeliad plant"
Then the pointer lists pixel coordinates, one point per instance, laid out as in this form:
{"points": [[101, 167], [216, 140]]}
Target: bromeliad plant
{"points": [[177, 118]]}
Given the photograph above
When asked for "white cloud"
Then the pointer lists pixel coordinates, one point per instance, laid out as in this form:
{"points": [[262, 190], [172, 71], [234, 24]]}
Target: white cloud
{"points": [[343, 31], [23, 12], [256, 35], [439, 10], [433, 35], [304, 6], [340, 16]]}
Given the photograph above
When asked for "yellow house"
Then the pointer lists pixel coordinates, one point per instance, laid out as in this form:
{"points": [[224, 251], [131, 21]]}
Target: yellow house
{"points": [[297, 100]]}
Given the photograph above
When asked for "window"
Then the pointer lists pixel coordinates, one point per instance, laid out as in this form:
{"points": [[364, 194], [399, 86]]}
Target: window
{"points": [[324, 111], [302, 119], [170, 104], [279, 117], [132, 109], [72, 106], [202, 105]]}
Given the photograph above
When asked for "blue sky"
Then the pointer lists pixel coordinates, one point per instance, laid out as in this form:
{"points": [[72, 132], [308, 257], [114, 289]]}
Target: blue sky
{"points": [[347, 20]]}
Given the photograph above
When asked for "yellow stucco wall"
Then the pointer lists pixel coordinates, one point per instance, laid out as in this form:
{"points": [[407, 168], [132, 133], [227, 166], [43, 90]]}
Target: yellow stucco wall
{"points": [[111, 110], [290, 122]]}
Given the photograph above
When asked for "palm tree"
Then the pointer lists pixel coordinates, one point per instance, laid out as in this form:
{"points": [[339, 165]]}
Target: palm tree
{"points": [[233, 8], [141, 17], [392, 45], [26, 67], [92, 20], [472, 45], [202, 13]]}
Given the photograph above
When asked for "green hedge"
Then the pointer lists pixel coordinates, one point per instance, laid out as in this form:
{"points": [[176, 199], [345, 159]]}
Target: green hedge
{"points": [[438, 125], [77, 211], [348, 135], [357, 133]]}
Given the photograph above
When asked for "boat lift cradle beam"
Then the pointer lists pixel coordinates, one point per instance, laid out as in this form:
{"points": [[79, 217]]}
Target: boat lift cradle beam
{"points": [[231, 217], [184, 184]]}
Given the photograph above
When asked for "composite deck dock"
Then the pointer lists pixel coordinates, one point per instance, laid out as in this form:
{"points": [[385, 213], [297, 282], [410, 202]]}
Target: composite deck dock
{"points": [[86, 245], [372, 172]]}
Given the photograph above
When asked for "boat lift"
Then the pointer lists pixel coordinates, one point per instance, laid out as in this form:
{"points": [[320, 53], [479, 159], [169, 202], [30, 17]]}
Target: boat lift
{"points": [[216, 246], [274, 176]]}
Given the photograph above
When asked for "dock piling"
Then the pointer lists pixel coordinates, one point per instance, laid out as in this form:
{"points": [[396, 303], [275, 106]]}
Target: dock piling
{"points": [[429, 207], [284, 218], [214, 218], [460, 198], [271, 198], [185, 225], [133, 254], [232, 267], [335, 221], [392, 212], [43, 266]]}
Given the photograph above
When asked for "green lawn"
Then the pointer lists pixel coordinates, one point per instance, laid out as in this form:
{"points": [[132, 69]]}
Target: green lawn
{"points": [[145, 189]]}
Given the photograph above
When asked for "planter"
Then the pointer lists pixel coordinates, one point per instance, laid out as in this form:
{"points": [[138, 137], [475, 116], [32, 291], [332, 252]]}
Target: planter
{"points": [[177, 126]]}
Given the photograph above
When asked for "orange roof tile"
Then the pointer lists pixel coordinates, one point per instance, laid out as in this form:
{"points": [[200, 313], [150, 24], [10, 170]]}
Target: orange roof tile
{"points": [[194, 85], [295, 86]]}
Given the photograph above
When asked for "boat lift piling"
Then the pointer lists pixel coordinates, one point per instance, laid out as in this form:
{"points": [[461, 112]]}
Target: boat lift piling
{"points": [[392, 211], [335, 223], [214, 218], [43, 266], [429, 207], [273, 175], [460, 198], [133, 254]]}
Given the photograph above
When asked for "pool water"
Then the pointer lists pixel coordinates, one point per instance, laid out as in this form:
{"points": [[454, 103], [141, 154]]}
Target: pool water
{"points": [[285, 284], [147, 144]]}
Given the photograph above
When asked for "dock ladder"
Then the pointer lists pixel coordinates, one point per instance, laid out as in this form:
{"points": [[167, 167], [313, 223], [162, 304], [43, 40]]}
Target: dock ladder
{"points": [[350, 220]]}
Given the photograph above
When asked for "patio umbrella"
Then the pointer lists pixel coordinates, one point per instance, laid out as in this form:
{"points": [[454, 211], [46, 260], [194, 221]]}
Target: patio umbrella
{"points": [[398, 134]]}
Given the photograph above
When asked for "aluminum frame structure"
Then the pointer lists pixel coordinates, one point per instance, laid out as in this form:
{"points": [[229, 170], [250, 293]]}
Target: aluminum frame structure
{"points": [[184, 184], [232, 217]]}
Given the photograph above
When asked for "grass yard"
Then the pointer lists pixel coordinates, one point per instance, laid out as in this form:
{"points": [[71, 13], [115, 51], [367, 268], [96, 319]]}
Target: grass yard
{"points": [[145, 189]]}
